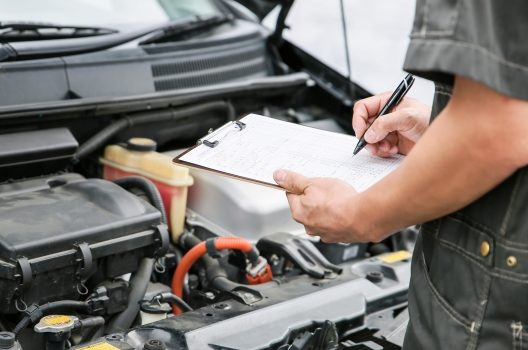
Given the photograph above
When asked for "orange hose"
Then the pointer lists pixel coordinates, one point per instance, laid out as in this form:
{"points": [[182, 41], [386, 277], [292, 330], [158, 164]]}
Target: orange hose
{"points": [[196, 253]]}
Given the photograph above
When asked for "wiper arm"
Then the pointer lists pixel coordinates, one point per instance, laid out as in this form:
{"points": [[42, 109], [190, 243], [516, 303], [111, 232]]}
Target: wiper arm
{"points": [[171, 32], [53, 48], [11, 31]]}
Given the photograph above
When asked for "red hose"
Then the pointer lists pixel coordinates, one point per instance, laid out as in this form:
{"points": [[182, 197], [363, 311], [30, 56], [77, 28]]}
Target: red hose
{"points": [[196, 253]]}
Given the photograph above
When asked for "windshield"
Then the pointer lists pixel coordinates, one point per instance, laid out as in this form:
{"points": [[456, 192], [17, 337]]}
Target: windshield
{"points": [[103, 13]]}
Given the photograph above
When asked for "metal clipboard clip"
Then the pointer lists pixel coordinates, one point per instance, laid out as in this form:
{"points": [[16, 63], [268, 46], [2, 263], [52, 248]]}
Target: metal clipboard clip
{"points": [[213, 139]]}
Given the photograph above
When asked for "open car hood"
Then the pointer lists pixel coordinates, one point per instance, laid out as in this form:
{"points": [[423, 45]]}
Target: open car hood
{"points": [[261, 8]]}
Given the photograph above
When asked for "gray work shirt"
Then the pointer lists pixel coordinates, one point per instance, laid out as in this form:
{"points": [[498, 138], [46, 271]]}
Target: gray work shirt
{"points": [[469, 284]]}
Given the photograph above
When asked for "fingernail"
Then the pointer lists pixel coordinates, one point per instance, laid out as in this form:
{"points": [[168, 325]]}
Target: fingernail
{"points": [[370, 136], [279, 176]]}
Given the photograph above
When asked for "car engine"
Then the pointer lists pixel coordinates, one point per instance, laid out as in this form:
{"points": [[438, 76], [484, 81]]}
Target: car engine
{"points": [[106, 244], [96, 262]]}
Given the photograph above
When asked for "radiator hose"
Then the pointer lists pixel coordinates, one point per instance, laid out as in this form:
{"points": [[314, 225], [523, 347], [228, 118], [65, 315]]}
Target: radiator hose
{"points": [[148, 188], [99, 139], [138, 288]]}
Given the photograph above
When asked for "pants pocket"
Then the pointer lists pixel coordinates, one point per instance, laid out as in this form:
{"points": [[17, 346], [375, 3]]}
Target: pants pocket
{"points": [[434, 324], [519, 336]]}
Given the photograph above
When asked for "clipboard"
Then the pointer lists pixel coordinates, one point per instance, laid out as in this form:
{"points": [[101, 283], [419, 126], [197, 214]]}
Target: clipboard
{"points": [[212, 140], [252, 148]]}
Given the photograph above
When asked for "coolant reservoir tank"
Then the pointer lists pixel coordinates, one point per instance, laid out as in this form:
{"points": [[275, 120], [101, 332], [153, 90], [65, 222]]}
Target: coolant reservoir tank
{"points": [[139, 157]]}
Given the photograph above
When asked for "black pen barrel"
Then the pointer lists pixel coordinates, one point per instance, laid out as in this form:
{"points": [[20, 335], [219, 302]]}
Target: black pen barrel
{"points": [[392, 102]]}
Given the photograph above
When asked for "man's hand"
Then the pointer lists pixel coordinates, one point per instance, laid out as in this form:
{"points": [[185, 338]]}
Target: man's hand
{"points": [[394, 132], [325, 206]]}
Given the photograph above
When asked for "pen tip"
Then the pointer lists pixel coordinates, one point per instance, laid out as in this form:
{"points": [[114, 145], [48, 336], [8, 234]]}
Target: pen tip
{"points": [[362, 143]]}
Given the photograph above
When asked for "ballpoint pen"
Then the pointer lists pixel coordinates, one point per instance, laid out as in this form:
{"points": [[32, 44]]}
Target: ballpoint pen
{"points": [[392, 102]]}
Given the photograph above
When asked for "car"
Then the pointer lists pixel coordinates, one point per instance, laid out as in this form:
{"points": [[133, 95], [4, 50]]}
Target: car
{"points": [[105, 243]]}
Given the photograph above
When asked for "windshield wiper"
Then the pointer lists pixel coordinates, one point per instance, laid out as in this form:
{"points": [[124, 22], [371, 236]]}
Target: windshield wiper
{"points": [[23, 50], [172, 32], [11, 31]]}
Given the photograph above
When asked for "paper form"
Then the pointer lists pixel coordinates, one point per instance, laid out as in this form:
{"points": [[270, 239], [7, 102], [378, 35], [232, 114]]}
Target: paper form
{"points": [[267, 144]]}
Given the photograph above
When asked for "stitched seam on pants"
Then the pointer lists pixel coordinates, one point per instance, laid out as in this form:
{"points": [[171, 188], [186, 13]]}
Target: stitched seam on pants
{"points": [[474, 335], [507, 275], [517, 334], [512, 246], [474, 256], [483, 304], [511, 274], [509, 278], [465, 220], [513, 198], [465, 255], [451, 313]]}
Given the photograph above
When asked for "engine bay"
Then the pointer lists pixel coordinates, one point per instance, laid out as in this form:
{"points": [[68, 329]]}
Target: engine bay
{"points": [[106, 244], [82, 247]]}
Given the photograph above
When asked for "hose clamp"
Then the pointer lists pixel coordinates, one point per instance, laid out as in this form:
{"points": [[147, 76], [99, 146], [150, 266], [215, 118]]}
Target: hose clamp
{"points": [[210, 246]]}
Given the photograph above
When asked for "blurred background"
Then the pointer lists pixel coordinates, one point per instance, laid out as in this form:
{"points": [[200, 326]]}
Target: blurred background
{"points": [[378, 35]]}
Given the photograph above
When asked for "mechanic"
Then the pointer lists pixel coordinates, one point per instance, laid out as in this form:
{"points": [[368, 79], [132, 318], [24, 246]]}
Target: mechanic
{"points": [[465, 175]]}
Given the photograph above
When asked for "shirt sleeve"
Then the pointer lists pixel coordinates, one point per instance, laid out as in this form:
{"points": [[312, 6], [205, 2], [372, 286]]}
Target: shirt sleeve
{"points": [[484, 40]]}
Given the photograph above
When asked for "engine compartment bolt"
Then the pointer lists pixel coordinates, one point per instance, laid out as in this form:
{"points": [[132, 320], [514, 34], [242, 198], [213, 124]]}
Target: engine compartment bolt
{"points": [[114, 337], [154, 344], [375, 276], [222, 306]]}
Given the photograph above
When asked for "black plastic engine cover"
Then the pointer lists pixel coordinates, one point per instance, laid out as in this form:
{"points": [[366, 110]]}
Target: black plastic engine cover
{"points": [[37, 152], [54, 238]]}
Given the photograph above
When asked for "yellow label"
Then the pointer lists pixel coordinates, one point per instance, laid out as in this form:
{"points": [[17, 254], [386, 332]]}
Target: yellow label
{"points": [[99, 346], [395, 257], [56, 320]]}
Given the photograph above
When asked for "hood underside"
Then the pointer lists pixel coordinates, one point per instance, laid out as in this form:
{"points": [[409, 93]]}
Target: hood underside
{"points": [[262, 8]]}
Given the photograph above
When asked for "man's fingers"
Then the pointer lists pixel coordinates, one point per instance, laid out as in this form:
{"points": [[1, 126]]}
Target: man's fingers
{"points": [[360, 119], [365, 109], [395, 121], [388, 152], [310, 231], [291, 181], [294, 200], [359, 125]]}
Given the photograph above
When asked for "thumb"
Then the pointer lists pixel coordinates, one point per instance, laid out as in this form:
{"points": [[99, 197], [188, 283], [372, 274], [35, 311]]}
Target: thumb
{"points": [[291, 181], [382, 126]]}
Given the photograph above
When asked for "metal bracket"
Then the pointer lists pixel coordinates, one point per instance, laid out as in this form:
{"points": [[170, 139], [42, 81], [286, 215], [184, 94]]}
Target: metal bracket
{"points": [[246, 295], [301, 251]]}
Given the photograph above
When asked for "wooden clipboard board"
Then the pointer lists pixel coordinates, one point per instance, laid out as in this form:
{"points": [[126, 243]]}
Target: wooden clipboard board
{"points": [[179, 161], [283, 145]]}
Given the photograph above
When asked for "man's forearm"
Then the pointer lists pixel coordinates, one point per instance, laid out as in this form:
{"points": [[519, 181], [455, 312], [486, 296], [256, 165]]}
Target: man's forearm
{"points": [[471, 147]]}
